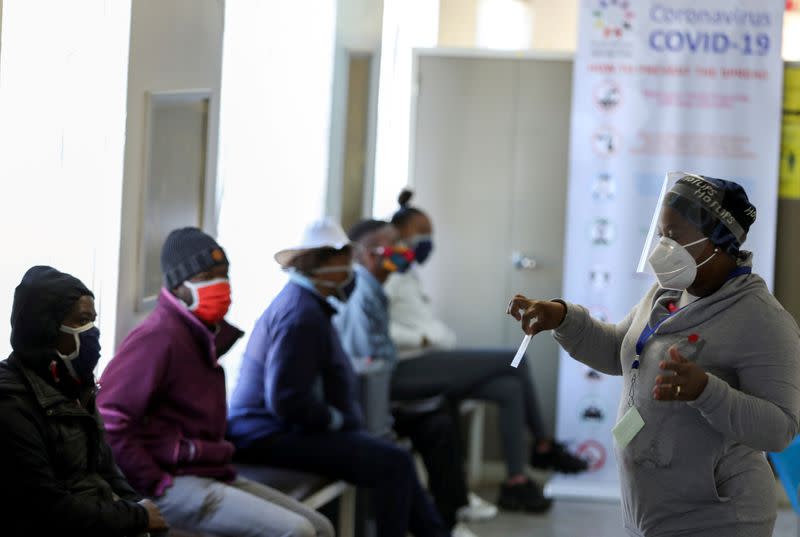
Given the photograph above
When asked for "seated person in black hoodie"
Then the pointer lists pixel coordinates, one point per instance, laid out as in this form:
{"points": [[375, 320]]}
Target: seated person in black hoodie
{"points": [[59, 477]]}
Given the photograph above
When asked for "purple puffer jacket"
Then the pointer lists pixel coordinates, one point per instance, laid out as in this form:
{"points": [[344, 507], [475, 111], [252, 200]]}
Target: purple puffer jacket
{"points": [[162, 399]]}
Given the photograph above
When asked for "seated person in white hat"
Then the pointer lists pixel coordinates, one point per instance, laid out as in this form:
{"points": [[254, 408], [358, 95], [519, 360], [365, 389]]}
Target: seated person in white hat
{"points": [[296, 405]]}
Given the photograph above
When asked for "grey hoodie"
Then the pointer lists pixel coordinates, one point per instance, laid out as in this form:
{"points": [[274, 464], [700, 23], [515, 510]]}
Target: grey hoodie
{"points": [[697, 468]]}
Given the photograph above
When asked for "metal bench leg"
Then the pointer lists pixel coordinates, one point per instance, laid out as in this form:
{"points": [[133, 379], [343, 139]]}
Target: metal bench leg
{"points": [[476, 433], [347, 512]]}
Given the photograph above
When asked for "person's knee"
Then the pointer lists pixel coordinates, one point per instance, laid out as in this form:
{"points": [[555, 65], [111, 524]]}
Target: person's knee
{"points": [[436, 425], [300, 527], [399, 462], [505, 392]]}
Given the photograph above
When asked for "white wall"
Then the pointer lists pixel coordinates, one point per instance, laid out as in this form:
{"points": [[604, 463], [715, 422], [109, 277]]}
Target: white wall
{"points": [[358, 28], [407, 24], [274, 143], [555, 23], [175, 45], [62, 127]]}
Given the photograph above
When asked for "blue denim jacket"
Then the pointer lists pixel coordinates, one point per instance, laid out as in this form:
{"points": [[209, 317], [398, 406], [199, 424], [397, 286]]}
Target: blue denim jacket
{"points": [[363, 322]]}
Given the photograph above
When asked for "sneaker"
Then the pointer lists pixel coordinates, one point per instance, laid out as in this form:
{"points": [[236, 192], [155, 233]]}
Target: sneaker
{"points": [[526, 497], [460, 530], [478, 510], [558, 459]]}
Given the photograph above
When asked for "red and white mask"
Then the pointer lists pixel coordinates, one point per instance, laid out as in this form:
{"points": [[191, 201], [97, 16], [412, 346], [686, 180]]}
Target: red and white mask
{"points": [[210, 299]]}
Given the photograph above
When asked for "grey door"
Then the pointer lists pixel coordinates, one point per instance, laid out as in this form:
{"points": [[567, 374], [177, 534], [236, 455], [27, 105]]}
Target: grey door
{"points": [[489, 163]]}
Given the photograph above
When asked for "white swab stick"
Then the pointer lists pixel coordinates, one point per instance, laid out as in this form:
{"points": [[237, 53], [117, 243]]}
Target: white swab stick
{"points": [[521, 352]]}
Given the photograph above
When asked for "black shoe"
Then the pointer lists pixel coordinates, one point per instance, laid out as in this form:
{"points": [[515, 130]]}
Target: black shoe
{"points": [[526, 497], [558, 459]]}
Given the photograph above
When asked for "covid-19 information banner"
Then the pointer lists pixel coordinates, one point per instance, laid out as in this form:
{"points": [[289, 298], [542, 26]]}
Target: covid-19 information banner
{"points": [[691, 85]]}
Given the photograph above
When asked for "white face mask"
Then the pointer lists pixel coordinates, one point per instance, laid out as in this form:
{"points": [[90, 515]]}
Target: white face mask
{"points": [[74, 332], [673, 265], [342, 289]]}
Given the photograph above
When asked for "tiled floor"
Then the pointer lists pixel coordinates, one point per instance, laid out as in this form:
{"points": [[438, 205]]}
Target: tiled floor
{"points": [[583, 519]]}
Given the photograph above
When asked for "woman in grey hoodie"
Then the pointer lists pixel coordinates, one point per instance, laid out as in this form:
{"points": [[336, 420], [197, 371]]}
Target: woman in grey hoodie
{"points": [[711, 368]]}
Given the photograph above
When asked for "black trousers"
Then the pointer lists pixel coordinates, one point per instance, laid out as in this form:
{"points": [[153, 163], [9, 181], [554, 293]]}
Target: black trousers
{"points": [[478, 374], [401, 505], [436, 437]]}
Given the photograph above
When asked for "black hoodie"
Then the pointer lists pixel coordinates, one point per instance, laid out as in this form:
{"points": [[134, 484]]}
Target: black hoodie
{"points": [[58, 474], [42, 301]]}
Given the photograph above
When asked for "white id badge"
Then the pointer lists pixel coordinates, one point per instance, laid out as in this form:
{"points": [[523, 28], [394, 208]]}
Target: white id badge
{"points": [[628, 427]]}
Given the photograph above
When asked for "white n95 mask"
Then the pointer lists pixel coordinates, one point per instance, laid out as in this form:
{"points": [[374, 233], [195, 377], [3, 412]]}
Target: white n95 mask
{"points": [[673, 265]]}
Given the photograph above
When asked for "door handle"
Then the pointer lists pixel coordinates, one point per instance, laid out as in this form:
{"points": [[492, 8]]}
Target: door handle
{"points": [[523, 262]]}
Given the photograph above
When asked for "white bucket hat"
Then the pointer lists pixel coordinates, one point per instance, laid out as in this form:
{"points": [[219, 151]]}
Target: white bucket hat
{"points": [[323, 233]]}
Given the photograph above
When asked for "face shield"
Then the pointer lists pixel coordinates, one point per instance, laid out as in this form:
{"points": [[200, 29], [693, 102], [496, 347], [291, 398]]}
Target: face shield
{"points": [[688, 211]]}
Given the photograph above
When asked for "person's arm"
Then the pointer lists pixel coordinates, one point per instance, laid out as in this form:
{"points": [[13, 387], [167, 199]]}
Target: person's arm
{"points": [[414, 324], [592, 342], [293, 366], [764, 413], [439, 334], [25, 464], [372, 319], [406, 336], [405, 300], [128, 386], [109, 471], [200, 451]]}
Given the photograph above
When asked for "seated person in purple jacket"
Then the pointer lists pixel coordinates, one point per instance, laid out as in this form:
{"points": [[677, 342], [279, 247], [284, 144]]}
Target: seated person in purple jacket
{"points": [[59, 477], [163, 401], [295, 404]]}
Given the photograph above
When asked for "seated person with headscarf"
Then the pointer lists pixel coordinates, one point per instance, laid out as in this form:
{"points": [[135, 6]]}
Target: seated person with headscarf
{"points": [[430, 362], [59, 476]]}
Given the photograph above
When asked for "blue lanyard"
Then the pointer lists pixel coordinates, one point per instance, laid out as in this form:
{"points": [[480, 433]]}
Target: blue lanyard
{"points": [[648, 332], [741, 271]]}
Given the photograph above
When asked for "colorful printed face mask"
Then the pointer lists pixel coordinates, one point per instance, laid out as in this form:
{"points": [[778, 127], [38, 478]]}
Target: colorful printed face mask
{"points": [[396, 258]]}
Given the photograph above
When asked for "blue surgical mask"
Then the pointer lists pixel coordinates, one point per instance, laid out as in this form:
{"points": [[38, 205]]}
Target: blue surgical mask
{"points": [[423, 246], [83, 360]]}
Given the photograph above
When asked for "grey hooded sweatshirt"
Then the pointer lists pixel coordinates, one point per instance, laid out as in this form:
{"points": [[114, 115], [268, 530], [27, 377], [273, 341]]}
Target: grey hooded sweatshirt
{"points": [[698, 468]]}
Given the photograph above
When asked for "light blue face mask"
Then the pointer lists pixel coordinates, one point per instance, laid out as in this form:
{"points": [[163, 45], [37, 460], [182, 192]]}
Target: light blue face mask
{"points": [[343, 289]]}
